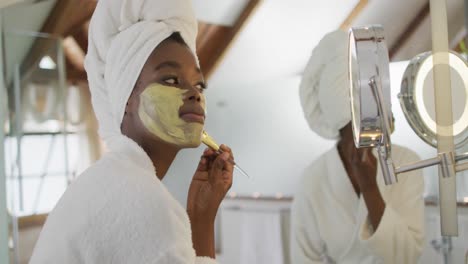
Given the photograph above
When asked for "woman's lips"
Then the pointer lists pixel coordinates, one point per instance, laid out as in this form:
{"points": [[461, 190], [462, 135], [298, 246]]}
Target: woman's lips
{"points": [[193, 117]]}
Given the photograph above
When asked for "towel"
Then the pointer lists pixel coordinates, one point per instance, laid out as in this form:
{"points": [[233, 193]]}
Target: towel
{"points": [[261, 238], [122, 35], [324, 88]]}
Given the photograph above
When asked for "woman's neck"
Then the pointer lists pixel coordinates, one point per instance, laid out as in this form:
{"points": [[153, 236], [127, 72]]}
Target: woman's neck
{"points": [[346, 148], [162, 155], [346, 143]]}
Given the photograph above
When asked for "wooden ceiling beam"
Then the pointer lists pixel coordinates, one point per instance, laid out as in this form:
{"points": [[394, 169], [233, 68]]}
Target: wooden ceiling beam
{"points": [[202, 28], [81, 37], [67, 18], [214, 40], [353, 14], [73, 53], [71, 17], [73, 74], [459, 40], [412, 27]]}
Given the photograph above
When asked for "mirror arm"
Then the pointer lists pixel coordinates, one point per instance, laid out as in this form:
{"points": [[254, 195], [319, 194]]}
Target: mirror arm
{"points": [[447, 164], [384, 150], [418, 165], [443, 158], [388, 169], [461, 166]]}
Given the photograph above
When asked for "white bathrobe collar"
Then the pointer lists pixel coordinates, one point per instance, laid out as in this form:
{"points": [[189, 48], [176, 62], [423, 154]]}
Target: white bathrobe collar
{"points": [[346, 195], [133, 152], [339, 179]]}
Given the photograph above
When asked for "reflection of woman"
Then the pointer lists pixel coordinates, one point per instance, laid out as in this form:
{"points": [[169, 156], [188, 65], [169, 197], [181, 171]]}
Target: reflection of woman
{"points": [[343, 212], [147, 94]]}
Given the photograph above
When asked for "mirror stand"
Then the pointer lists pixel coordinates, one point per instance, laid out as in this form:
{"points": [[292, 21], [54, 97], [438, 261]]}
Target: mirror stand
{"points": [[384, 148], [368, 76]]}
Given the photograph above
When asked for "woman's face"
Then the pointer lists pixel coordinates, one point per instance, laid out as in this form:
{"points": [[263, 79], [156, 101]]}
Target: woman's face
{"points": [[167, 103]]}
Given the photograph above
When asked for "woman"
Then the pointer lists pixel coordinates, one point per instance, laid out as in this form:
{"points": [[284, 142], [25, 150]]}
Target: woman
{"points": [[343, 212], [147, 93]]}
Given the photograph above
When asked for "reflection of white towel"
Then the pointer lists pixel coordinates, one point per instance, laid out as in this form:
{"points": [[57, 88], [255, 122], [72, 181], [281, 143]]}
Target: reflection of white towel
{"points": [[261, 240], [324, 89]]}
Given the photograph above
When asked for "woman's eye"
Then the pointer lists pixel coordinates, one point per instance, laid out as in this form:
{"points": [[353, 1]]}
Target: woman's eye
{"points": [[200, 86], [171, 80]]}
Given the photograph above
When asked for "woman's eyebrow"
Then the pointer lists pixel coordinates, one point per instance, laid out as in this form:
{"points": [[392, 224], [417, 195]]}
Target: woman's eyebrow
{"points": [[168, 64]]}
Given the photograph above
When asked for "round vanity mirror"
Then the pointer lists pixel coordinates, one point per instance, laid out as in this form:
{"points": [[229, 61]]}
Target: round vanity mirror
{"points": [[369, 73], [417, 98]]}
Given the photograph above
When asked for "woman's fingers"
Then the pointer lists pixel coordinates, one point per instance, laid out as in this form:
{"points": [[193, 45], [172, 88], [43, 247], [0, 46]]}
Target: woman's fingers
{"points": [[203, 164], [225, 148], [217, 167], [230, 164]]}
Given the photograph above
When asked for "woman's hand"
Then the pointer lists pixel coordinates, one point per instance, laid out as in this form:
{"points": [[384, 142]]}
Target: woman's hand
{"points": [[364, 169], [210, 183]]}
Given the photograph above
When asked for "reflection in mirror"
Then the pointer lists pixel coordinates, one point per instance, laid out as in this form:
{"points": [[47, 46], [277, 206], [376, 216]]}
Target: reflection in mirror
{"points": [[443, 130], [417, 98], [343, 202], [446, 157], [369, 86]]}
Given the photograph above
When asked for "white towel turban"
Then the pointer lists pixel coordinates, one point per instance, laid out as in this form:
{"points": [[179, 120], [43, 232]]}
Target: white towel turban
{"points": [[122, 35], [324, 89]]}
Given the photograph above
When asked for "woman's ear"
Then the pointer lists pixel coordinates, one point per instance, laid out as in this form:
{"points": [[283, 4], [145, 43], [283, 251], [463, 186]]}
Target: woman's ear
{"points": [[131, 108], [132, 103]]}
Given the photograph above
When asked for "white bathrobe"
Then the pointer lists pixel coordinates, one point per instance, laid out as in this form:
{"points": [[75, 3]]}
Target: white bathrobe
{"points": [[330, 224], [117, 211]]}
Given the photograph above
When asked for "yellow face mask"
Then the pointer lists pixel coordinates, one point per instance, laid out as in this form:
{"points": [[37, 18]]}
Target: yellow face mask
{"points": [[159, 113]]}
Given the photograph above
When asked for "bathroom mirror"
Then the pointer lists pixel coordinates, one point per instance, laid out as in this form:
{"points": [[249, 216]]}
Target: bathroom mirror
{"points": [[370, 93], [368, 69], [417, 98]]}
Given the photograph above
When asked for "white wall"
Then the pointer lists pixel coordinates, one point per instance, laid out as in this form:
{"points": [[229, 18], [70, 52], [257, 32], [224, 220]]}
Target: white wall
{"points": [[267, 132], [219, 12]]}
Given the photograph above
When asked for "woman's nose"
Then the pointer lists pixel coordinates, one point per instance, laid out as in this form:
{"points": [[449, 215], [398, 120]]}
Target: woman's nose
{"points": [[193, 95]]}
